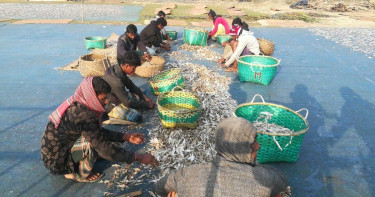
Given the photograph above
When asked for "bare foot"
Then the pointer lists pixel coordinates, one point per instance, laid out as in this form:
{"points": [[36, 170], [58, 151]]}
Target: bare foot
{"points": [[94, 176]]}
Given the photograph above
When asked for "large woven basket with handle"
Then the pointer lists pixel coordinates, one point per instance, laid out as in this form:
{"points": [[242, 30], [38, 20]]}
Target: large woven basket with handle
{"points": [[91, 65], [266, 46], [178, 109], [276, 147], [148, 68], [166, 80], [258, 69]]}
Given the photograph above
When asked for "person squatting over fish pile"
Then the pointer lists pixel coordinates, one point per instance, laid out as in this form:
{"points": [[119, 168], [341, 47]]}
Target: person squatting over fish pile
{"points": [[124, 104], [129, 41], [233, 172], [161, 14], [74, 138], [243, 43], [151, 36]]}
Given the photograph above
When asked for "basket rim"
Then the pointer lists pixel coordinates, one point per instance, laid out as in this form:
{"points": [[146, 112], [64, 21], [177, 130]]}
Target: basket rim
{"points": [[206, 31], [248, 64], [101, 37], [280, 106], [185, 112], [156, 81]]}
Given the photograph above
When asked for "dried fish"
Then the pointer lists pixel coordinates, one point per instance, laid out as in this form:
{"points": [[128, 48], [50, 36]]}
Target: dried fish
{"points": [[264, 126], [176, 148]]}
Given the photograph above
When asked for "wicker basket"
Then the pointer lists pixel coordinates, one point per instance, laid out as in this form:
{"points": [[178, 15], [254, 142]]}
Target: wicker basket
{"points": [[178, 109], [93, 65], [258, 69], [95, 42], [148, 68], [266, 46], [276, 147], [223, 38], [166, 80], [195, 37]]}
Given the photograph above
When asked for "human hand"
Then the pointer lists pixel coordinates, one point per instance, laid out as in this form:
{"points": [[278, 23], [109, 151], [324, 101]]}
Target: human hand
{"points": [[167, 47], [147, 57], [221, 60], [146, 159], [151, 105], [225, 43], [135, 138]]}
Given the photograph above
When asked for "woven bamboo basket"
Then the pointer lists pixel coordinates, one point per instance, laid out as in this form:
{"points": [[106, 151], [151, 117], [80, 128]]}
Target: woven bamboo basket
{"points": [[196, 37], [266, 46], [166, 80], [93, 65], [276, 147], [148, 68], [258, 69], [178, 109]]}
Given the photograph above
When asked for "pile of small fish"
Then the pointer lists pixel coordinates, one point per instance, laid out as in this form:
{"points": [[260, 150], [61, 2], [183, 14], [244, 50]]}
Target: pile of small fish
{"points": [[202, 52], [176, 148], [179, 147], [264, 126]]}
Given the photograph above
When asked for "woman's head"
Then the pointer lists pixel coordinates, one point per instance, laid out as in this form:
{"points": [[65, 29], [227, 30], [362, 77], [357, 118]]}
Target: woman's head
{"points": [[245, 27], [102, 89], [236, 140], [212, 14], [237, 22]]}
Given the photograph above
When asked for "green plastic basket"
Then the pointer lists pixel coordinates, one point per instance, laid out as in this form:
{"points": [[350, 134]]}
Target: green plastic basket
{"points": [[97, 42], [171, 34], [223, 38], [195, 37], [166, 80], [178, 109], [258, 69], [276, 147]]}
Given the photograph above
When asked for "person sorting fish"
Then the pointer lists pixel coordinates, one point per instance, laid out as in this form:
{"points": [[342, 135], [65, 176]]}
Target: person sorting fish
{"points": [[125, 97], [246, 44], [151, 36], [220, 25], [233, 172], [130, 41], [74, 138]]}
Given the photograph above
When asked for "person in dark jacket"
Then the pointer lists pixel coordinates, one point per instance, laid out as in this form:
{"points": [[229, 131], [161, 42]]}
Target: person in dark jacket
{"points": [[125, 97], [151, 36], [74, 139], [161, 14], [129, 41], [233, 172]]}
